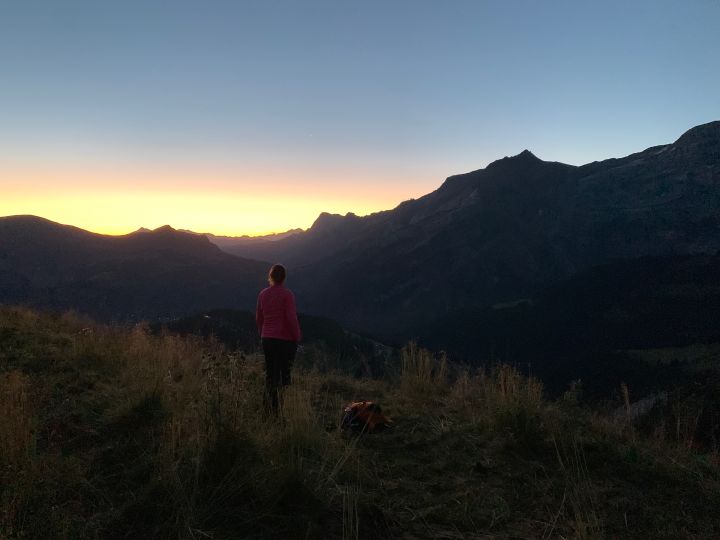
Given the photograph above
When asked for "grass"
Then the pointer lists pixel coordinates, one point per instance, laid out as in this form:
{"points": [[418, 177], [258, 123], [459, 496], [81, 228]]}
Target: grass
{"points": [[110, 432]]}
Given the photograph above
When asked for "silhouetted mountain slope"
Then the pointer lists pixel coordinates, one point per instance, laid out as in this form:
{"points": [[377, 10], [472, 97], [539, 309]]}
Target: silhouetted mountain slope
{"points": [[160, 273], [504, 232], [585, 326], [240, 244], [328, 234], [493, 235]]}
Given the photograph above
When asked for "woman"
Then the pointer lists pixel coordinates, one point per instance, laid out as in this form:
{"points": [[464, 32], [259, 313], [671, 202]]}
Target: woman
{"points": [[279, 330]]}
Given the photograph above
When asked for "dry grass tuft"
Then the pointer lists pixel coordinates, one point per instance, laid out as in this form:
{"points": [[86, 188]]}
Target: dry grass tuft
{"points": [[17, 414], [498, 397], [422, 373], [579, 495]]}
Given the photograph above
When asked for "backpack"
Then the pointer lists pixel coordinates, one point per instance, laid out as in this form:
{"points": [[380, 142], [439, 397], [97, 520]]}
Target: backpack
{"points": [[361, 415]]}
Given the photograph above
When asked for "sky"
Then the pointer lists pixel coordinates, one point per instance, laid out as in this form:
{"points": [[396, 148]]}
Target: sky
{"points": [[239, 117]]}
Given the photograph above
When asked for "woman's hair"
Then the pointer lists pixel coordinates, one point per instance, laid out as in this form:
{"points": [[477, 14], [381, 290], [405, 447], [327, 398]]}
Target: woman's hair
{"points": [[277, 273]]}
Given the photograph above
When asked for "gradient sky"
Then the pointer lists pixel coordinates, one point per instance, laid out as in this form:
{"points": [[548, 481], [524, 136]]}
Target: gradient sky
{"points": [[250, 117]]}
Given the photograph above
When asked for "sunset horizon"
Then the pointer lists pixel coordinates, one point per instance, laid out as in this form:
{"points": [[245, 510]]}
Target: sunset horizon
{"points": [[216, 211], [246, 119], [219, 202], [228, 204]]}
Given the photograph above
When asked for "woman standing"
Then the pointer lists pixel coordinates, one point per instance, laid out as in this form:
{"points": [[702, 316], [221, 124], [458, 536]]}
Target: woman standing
{"points": [[279, 330]]}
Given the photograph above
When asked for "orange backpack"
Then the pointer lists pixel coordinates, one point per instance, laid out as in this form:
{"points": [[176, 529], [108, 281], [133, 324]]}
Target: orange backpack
{"points": [[361, 415]]}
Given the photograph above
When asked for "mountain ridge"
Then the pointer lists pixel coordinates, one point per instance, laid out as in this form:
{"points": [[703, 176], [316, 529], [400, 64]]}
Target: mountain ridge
{"points": [[491, 235], [153, 274], [519, 223]]}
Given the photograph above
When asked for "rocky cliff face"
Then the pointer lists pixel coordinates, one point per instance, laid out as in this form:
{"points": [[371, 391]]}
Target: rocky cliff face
{"points": [[662, 201]]}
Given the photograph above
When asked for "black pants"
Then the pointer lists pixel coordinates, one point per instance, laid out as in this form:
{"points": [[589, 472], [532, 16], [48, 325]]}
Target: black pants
{"points": [[279, 358]]}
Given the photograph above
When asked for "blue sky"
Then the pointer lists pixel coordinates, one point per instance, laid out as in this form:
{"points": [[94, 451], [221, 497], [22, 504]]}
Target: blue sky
{"points": [[354, 94]]}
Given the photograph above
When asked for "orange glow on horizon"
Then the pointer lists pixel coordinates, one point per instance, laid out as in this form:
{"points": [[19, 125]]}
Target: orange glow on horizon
{"points": [[223, 202]]}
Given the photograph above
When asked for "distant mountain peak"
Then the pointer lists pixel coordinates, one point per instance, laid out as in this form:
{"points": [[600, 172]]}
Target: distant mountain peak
{"points": [[527, 154], [27, 218], [326, 221], [523, 159], [709, 132], [164, 229]]}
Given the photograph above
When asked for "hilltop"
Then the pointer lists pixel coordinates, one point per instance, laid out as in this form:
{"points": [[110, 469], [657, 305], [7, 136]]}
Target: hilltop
{"points": [[162, 273], [113, 432]]}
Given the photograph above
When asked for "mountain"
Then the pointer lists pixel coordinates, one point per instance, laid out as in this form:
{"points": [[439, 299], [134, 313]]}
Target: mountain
{"points": [[237, 244], [495, 235], [504, 233], [328, 234], [605, 325], [145, 274]]}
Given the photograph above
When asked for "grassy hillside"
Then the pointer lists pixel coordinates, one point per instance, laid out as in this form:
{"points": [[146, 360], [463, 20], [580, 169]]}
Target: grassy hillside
{"points": [[108, 432]]}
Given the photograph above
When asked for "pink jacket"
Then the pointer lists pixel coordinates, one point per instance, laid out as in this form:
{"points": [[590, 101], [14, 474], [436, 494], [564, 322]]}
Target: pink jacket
{"points": [[276, 315]]}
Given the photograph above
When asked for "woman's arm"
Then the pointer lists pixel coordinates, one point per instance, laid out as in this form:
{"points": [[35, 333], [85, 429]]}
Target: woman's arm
{"points": [[259, 317], [291, 319]]}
